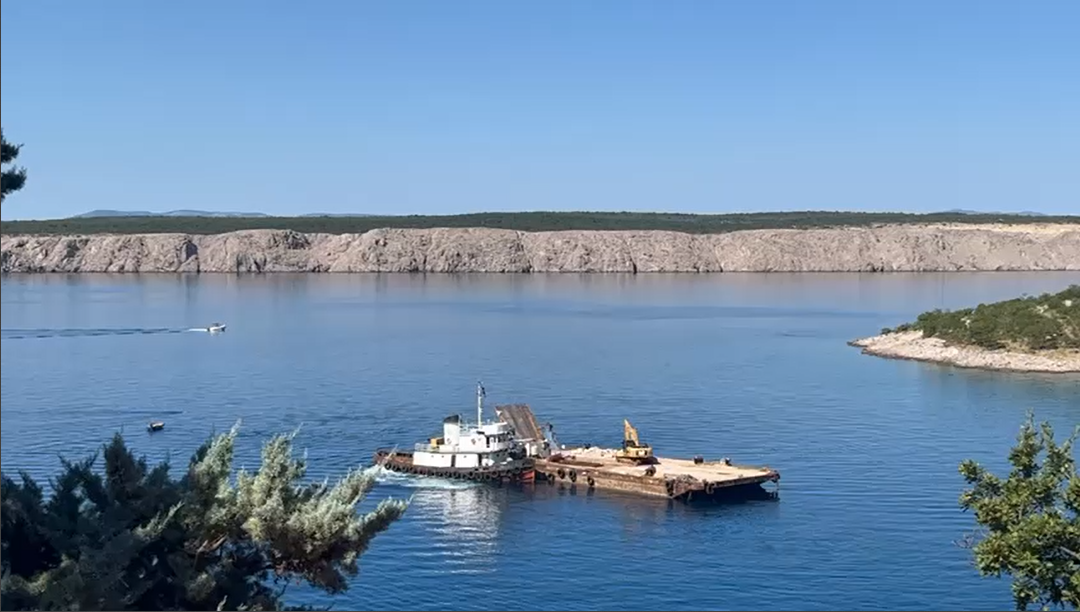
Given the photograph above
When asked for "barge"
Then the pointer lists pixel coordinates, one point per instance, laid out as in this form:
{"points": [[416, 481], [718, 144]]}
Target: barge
{"points": [[633, 468], [683, 479], [515, 448]]}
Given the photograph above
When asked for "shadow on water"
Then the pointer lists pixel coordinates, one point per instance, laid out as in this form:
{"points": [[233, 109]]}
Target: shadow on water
{"points": [[495, 502], [542, 491]]}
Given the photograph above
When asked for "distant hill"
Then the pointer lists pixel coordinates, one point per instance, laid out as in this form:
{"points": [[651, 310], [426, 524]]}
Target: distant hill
{"points": [[340, 215], [523, 221], [961, 211], [171, 213], [259, 215], [198, 213]]}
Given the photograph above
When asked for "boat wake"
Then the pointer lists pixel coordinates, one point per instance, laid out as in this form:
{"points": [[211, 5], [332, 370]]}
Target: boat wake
{"points": [[89, 332], [25, 334], [413, 481]]}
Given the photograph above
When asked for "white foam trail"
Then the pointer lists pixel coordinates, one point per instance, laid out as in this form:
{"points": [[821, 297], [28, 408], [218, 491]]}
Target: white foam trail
{"points": [[413, 481]]}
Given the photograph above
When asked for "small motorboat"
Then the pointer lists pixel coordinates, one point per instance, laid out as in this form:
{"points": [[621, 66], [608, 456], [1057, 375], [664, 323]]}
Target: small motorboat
{"points": [[216, 328], [153, 426]]}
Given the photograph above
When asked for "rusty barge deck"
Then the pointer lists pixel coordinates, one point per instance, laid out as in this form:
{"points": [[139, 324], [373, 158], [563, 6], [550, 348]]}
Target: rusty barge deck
{"points": [[672, 478], [594, 467]]}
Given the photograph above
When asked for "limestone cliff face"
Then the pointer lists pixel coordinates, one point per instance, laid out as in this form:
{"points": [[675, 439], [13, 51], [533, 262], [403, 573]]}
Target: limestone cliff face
{"points": [[874, 249]]}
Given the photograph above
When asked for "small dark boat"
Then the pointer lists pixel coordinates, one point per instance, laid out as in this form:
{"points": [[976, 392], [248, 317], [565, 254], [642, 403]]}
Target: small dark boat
{"points": [[153, 426]]}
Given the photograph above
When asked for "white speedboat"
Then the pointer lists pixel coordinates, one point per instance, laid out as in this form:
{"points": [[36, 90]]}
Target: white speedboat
{"points": [[216, 328]]}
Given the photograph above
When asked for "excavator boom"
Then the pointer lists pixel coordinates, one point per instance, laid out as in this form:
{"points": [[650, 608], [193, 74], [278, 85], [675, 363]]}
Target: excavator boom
{"points": [[633, 451]]}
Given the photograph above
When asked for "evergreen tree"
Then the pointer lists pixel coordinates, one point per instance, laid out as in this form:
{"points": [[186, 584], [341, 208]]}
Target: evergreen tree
{"points": [[12, 179], [1028, 520], [134, 538]]}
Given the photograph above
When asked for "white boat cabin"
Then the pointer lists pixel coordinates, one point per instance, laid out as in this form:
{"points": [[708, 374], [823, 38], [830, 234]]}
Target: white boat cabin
{"points": [[471, 447], [468, 446]]}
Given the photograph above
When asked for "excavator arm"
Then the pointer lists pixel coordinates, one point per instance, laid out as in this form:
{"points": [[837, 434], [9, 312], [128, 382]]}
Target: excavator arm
{"points": [[633, 451], [630, 437]]}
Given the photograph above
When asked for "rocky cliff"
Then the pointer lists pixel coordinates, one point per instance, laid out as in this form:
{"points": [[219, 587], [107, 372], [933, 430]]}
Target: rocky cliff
{"points": [[874, 249]]}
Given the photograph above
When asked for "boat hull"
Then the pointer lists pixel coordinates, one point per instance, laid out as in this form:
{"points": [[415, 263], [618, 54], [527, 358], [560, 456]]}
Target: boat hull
{"points": [[402, 463]]}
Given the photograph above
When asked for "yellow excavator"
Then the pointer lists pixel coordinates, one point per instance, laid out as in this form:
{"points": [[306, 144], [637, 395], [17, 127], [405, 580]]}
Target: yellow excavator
{"points": [[633, 451]]}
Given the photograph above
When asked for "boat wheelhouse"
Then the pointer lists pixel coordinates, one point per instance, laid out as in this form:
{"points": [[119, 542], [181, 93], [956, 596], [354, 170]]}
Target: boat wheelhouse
{"points": [[476, 451]]}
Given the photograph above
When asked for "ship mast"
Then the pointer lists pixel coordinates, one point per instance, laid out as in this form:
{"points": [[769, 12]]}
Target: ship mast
{"points": [[480, 393]]}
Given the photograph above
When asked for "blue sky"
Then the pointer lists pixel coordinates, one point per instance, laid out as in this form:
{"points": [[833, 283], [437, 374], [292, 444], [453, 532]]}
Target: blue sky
{"points": [[446, 107]]}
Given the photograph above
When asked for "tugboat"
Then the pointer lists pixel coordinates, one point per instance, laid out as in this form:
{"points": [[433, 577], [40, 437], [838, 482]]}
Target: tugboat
{"points": [[481, 451]]}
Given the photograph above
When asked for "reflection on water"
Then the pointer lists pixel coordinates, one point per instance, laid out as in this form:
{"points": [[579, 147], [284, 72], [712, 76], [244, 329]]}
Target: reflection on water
{"points": [[462, 519], [640, 515]]}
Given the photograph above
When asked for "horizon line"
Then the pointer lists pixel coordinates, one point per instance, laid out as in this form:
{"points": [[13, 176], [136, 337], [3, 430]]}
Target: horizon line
{"points": [[198, 213]]}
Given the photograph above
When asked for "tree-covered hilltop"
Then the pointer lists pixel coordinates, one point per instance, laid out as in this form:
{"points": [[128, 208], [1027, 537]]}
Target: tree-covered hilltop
{"points": [[1032, 323], [520, 221], [132, 537]]}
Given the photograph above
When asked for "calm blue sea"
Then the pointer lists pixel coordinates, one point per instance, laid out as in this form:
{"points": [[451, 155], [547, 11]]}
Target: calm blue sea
{"points": [[749, 366]]}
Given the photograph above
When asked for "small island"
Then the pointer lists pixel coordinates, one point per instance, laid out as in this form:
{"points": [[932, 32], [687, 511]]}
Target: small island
{"points": [[1026, 334]]}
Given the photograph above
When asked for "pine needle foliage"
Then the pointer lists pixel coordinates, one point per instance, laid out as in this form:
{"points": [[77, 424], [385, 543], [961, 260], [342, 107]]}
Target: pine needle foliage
{"points": [[1029, 525], [132, 537], [14, 177]]}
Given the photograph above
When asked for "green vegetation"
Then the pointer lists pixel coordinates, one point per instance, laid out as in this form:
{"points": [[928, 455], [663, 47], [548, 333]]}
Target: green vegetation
{"points": [[14, 178], [1046, 322], [523, 221], [134, 538], [1029, 525]]}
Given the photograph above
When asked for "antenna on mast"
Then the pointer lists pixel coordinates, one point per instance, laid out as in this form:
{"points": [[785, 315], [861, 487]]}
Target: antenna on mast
{"points": [[480, 394]]}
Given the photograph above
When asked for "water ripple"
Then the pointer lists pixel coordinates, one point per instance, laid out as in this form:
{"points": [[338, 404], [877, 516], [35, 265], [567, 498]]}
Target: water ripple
{"points": [[752, 367]]}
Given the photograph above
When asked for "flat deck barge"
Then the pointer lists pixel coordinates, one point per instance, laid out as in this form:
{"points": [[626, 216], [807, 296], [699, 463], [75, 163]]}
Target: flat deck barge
{"points": [[685, 479]]}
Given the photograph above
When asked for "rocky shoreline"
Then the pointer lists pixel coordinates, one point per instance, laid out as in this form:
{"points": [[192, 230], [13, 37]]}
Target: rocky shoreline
{"points": [[912, 345], [886, 248]]}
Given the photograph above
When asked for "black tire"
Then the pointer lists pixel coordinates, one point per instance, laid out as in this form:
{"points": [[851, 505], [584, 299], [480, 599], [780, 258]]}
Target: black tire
{"points": [[591, 481], [573, 475], [562, 474]]}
